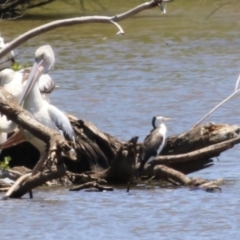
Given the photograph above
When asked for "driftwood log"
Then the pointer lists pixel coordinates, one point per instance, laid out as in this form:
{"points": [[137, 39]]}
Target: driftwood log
{"points": [[101, 158]]}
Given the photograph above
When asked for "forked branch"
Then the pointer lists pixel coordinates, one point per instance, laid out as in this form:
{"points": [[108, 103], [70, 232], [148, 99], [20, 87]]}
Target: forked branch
{"points": [[78, 20], [236, 90]]}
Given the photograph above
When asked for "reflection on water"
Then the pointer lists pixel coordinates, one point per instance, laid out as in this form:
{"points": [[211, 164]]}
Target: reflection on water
{"points": [[179, 65]]}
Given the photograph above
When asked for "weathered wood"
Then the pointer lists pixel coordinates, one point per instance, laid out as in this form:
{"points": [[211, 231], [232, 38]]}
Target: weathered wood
{"points": [[203, 153], [37, 180], [162, 172], [122, 167], [172, 176], [199, 137], [117, 159], [94, 185], [93, 147]]}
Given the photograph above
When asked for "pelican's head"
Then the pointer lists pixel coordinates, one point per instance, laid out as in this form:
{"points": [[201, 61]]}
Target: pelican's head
{"points": [[158, 120], [44, 60], [6, 76], [44, 56]]}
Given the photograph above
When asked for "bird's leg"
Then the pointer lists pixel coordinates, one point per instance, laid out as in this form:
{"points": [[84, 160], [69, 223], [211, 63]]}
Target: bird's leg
{"points": [[43, 157]]}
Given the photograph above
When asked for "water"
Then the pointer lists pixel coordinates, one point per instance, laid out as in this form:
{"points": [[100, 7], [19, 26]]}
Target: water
{"points": [[180, 66]]}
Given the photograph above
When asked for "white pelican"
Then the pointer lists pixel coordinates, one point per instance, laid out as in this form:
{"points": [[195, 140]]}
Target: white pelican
{"points": [[8, 60], [41, 110], [154, 142], [46, 84], [14, 83]]}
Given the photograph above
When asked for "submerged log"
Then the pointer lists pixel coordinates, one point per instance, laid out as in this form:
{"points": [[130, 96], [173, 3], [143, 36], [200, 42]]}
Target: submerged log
{"points": [[102, 156], [32, 182], [92, 185], [97, 150]]}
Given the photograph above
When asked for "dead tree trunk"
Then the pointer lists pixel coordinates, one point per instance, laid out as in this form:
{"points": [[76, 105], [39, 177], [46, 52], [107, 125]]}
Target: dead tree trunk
{"points": [[104, 157]]}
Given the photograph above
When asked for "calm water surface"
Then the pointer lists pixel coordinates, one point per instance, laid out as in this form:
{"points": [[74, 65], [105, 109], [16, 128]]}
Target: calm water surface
{"points": [[179, 65]]}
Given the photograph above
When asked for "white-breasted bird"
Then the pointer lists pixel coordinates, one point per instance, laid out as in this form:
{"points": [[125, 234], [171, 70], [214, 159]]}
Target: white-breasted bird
{"points": [[154, 142]]}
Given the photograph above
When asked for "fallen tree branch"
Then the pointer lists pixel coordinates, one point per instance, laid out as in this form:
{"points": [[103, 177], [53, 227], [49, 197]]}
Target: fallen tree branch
{"points": [[78, 20], [162, 171], [172, 176], [32, 182], [204, 153], [220, 6], [90, 185], [4, 189], [236, 90]]}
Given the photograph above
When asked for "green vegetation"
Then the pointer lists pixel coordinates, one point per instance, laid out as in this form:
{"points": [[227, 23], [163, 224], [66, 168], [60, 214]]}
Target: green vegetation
{"points": [[19, 66], [4, 164]]}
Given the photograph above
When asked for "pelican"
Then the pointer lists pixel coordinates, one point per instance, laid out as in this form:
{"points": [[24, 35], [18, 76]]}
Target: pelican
{"points": [[14, 83], [154, 142], [40, 109], [8, 60]]}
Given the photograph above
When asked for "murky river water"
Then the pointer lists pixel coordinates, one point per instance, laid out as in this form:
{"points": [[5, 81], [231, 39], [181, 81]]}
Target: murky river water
{"points": [[179, 65]]}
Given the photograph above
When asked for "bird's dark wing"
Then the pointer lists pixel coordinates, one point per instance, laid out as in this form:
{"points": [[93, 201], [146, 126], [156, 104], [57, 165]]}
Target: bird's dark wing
{"points": [[150, 146]]}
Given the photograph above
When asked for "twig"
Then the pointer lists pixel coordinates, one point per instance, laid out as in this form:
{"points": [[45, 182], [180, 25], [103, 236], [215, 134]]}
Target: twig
{"points": [[92, 185], [236, 90], [119, 27], [220, 6]]}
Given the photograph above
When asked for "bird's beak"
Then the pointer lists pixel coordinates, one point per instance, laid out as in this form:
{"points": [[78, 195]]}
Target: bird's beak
{"points": [[167, 119], [36, 71], [161, 6]]}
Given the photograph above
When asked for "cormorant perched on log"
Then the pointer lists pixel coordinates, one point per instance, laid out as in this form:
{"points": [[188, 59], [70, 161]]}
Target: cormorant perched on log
{"points": [[154, 142]]}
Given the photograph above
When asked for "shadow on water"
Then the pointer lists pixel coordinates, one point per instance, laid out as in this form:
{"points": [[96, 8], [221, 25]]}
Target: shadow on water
{"points": [[178, 65]]}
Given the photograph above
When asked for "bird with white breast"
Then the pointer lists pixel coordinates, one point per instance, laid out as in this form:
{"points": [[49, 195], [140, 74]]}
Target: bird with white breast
{"points": [[154, 142]]}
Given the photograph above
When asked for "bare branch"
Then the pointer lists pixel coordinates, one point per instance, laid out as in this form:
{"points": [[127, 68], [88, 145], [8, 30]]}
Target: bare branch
{"points": [[220, 6], [204, 153], [236, 90], [73, 21]]}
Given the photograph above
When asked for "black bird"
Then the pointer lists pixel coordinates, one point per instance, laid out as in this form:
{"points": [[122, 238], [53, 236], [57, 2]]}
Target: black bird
{"points": [[154, 142]]}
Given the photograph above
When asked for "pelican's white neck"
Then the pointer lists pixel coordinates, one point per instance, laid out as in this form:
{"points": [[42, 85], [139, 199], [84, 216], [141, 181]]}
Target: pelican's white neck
{"points": [[34, 97]]}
